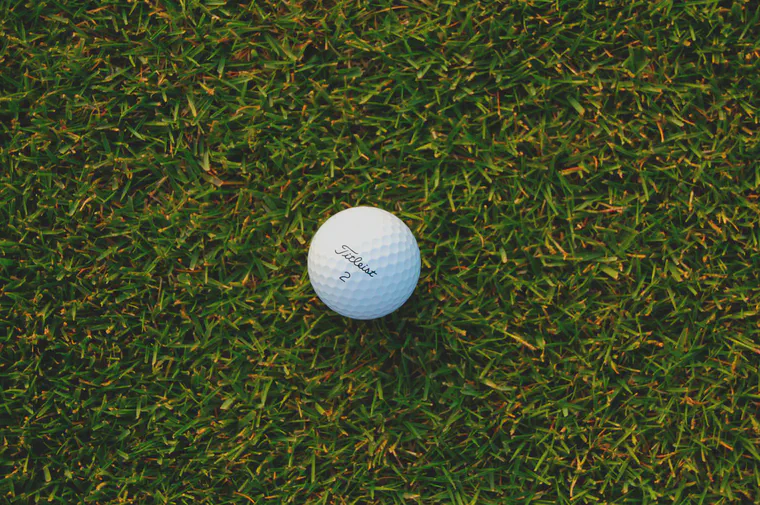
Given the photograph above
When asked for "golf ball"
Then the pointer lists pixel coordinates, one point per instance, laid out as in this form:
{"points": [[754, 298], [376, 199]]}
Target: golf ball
{"points": [[364, 262]]}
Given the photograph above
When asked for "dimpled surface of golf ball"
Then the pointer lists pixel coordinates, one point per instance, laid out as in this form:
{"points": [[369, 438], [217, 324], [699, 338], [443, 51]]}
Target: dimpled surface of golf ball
{"points": [[364, 263]]}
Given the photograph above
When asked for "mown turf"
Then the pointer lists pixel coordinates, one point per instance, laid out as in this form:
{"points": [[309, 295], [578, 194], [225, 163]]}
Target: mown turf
{"points": [[583, 181]]}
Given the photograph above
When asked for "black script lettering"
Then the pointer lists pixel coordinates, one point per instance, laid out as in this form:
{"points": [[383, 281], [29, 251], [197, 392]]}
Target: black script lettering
{"points": [[353, 257]]}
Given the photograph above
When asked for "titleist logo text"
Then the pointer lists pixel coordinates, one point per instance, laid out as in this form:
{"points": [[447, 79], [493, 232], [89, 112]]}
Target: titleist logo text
{"points": [[354, 258]]}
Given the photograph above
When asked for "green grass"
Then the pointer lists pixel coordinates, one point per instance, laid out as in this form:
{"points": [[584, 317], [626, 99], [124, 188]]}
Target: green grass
{"points": [[583, 180]]}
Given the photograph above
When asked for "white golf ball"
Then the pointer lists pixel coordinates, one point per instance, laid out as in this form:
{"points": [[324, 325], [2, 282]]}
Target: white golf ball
{"points": [[364, 263]]}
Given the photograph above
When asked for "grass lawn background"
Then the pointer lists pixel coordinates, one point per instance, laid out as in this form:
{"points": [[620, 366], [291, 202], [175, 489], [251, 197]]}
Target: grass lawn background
{"points": [[583, 181]]}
